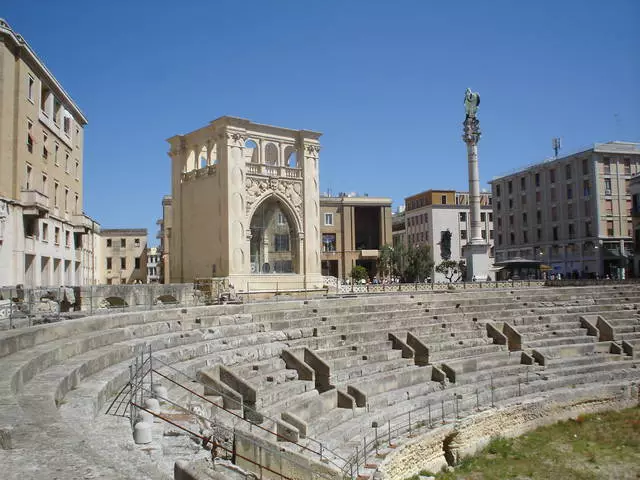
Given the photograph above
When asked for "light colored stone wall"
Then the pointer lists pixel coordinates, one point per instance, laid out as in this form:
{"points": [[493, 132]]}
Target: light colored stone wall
{"points": [[425, 452]]}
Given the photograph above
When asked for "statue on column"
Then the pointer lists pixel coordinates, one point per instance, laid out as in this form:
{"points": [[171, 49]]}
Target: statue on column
{"points": [[471, 103]]}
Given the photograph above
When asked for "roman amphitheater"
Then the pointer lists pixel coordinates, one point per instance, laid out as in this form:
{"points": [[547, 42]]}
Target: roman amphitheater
{"points": [[363, 386]]}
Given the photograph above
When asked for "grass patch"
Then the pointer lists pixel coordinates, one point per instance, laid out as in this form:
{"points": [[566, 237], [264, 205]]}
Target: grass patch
{"points": [[597, 446]]}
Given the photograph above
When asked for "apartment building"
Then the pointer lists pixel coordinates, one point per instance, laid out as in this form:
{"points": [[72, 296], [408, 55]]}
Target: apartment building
{"points": [[572, 213], [43, 231], [153, 265], [398, 227], [353, 229], [124, 259], [431, 215]]}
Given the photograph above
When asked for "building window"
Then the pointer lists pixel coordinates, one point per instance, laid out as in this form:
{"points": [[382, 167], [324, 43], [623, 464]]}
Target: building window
{"points": [[570, 211], [607, 166], [281, 219], [67, 125], [525, 237], [554, 214], [30, 86], [76, 205], [499, 222], [511, 220], [463, 216], [484, 234], [587, 208], [497, 190], [123, 243], [29, 137], [56, 188], [45, 151], [443, 199], [281, 242], [66, 199], [490, 234], [328, 242], [56, 235], [27, 179], [523, 183], [538, 196], [610, 228], [328, 218], [627, 166], [510, 187], [585, 166], [524, 219], [555, 234], [108, 243], [608, 206], [426, 218], [77, 170], [136, 242], [498, 205], [499, 239], [586, 188], [523, 198], [510, 203], [463, 234], [512, 238], [537, 179], [567, 170], [491, 217], [483, 217], [56, 156], [108, 263], [607, 186], [137, 263], [572, 231], [45, 232], [123, 263], [66, 162], [569, 192], [67, 238], [539, 234], [552, 175]]}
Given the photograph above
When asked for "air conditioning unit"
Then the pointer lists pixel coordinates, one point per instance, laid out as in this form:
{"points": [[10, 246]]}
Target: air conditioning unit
{"points": [[607, 192]]}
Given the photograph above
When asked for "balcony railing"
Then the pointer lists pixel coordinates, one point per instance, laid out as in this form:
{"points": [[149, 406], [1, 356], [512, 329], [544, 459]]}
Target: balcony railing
{"points": [[273, 170], [34, 202]]}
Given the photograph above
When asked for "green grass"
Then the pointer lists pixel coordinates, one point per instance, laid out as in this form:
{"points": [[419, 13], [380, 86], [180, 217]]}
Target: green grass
{"points": [[598, 446]]}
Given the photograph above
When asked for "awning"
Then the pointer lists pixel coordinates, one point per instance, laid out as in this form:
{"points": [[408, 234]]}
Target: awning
{"points": [[546, 268]]}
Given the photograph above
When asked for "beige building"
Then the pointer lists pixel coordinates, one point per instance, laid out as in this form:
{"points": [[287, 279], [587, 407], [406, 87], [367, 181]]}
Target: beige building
{"points": [[245, 205], [124, 256], [43, 231], [353, 230], [431, 214], [399, 228], [154, 260], [573, 213]]}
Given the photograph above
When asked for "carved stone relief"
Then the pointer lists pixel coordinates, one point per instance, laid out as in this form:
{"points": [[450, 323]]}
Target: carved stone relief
{"points": [[256, 187]]}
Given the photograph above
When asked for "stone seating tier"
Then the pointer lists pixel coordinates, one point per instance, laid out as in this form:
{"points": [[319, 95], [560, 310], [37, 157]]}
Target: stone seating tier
{"points": [[77, 365]]}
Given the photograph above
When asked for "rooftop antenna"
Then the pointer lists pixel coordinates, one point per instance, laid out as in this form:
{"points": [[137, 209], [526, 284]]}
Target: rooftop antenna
{"points": [[556, 144]]}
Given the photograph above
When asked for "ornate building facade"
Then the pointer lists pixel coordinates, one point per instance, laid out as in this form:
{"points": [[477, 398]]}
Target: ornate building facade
{"points": [[246, 205]]}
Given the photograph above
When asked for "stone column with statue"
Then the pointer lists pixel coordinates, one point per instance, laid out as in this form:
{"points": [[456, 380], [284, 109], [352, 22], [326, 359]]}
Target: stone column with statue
{"points": [[476, 251]]}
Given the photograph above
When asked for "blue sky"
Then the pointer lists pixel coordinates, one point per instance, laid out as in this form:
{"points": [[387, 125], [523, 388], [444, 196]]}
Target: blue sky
{"points": [[384, 82]]}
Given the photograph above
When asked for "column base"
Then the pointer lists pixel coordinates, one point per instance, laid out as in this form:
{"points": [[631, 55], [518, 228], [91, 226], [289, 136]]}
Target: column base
{"points": [[478, 261]]}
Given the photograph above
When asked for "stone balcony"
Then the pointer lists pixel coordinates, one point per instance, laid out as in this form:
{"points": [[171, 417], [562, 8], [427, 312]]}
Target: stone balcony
{"points": [[34, 203], [273, 171], [82, 223]]}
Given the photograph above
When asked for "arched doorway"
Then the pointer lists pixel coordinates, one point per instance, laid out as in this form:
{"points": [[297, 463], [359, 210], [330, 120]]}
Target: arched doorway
{"points": [[273, 239]]}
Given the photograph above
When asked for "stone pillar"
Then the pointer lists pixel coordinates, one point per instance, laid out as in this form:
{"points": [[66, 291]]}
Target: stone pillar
{"points": [[477, 248]]}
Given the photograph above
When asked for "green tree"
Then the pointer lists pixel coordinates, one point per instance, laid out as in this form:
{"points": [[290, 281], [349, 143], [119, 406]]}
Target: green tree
{"points": [[451, 269], [359, 273], [390, 260], [418, 263]]}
